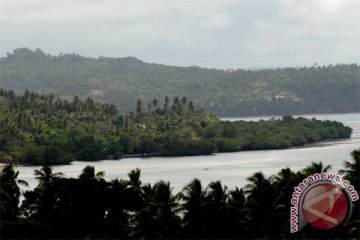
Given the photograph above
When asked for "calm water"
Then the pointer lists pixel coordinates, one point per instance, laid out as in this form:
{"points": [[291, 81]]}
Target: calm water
{"points": [[231, 168]]}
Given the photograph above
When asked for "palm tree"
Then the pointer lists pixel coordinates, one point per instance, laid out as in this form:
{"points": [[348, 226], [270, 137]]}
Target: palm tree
{"points": [[217, 193], [236, 199], [183, 101], [10, 192], [283, 183], [216, 211], [260, 203], [134, 178], [352, 170], [139, 106], [88, 173], [134, 186], [158, 218], [193, 196], [316, 168], [155, 102], [352, 174], [117, 217], [43, 196], [90, 202], [167, 208], [236, 213], [257, 183], [45, 175], [284, 175], [166, 102]]}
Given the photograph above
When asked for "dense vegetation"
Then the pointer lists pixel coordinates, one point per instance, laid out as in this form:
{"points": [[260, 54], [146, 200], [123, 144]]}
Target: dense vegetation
{"points": [[89, 207], [121, 81], [37, 128]]}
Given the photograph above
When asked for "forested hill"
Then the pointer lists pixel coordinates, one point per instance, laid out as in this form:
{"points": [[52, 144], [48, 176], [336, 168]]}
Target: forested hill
{"points": [[121, 81], [36, 128]]}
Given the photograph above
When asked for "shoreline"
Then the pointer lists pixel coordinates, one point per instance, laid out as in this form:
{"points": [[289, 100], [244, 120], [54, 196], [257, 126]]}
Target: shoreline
{"points": [[325, 143], [280, 115]]}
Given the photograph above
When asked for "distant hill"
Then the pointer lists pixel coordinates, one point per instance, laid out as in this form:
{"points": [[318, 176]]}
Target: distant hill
{"points": [[121, 81]]}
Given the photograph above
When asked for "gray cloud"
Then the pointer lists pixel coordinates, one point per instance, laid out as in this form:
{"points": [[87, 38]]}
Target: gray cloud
{"points": [[209, 33]]}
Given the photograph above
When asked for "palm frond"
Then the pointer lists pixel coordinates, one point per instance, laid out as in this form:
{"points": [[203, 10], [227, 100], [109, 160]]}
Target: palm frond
{"points": [[24, 183]]}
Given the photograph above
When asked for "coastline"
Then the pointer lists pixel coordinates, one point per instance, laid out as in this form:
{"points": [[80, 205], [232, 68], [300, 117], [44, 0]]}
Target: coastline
{"points": [[225, 118], [325, 143]]}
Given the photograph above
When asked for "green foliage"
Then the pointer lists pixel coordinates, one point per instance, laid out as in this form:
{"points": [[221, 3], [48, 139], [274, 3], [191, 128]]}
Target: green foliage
{"points": [[9, 193], [122, 81], [38, 129], [88, 207], [273, 134]]}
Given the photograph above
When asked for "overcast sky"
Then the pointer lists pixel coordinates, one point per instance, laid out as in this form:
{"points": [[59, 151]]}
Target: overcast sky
{"points": [[208, 33]]}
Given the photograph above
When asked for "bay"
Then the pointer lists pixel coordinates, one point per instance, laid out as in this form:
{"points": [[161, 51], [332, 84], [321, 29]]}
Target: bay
{"points": [[231, 168]]}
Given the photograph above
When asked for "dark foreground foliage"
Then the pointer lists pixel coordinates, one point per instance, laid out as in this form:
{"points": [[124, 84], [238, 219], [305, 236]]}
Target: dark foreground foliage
{"points": [[37, 128], [93, 208]]}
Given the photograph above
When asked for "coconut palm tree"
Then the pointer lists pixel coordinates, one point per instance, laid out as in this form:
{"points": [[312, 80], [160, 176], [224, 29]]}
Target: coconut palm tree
{"points": [[217, 193], [134, 178], [316, 168], [167, 209], [135, 191], [45, 175], [158, 218], [10, 192], [283, 183], [193, 196], [237, 216], [352, 169], [90, 203], [40, 203], [117, 215], [216, 212], [352, 174], [88, 173], [260, 204]]}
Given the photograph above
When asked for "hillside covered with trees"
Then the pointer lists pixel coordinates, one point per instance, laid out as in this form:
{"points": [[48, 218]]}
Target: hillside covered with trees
{"points": [[41, 128], [121, 81], [89, 207]]}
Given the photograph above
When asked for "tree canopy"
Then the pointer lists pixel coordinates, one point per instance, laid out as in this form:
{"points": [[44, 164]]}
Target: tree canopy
{"points": [[37, 129], [89, 207], [122, 81]]}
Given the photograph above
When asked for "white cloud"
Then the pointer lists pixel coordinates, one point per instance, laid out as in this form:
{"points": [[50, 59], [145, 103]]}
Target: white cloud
{"points": [[212, 33], [331, 5], [216, 22]]}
